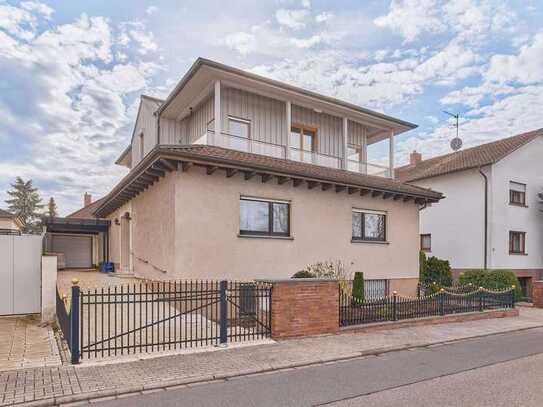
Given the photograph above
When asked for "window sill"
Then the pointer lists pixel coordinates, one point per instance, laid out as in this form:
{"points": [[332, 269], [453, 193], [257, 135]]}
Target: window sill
{"points": [[266, 237], [369, 241], [518, 254], [426, 250], [518, 205]]}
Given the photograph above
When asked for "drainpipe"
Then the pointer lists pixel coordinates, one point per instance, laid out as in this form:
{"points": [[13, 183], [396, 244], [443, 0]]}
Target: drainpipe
{"points": [[157, 114], [486, 218]]}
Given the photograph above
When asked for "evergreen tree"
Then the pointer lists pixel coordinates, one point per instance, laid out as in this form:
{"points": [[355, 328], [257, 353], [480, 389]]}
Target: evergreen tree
{"points": [[25, 202], [52, 208]]}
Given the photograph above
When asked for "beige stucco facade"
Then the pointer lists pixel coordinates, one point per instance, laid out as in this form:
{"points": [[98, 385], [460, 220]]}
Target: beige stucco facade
{"points": [[187, 226], [6, 223]]}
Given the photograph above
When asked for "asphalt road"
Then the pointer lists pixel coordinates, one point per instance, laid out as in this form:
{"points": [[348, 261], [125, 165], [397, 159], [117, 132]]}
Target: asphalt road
{"points": [[504, 369]]}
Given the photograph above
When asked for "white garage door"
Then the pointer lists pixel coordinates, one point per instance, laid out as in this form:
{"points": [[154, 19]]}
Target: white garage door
{"points": [[77, 250]]}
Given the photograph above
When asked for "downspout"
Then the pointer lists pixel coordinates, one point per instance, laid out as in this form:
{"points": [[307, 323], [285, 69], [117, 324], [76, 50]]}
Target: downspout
{"points": [[486, 219]]}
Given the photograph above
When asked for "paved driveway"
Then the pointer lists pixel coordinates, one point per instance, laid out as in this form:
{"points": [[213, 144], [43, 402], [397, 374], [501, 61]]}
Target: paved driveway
{"points": [[24, 343]]}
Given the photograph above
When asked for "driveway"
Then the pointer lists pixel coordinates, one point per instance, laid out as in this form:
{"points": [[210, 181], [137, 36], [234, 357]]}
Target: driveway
{"points": [[25, 343]]}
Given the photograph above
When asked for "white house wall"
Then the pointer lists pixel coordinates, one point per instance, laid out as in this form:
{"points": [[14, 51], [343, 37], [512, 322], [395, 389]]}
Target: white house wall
{"points": [[146, 124], [456, 222], [524, 166]]}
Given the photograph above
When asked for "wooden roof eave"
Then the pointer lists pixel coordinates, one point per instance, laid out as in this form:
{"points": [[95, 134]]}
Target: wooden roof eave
{"points": [[157, 160]]}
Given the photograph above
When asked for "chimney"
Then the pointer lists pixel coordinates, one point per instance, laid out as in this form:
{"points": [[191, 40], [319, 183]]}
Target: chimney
{"points": [[87, 199], [415, 158]]}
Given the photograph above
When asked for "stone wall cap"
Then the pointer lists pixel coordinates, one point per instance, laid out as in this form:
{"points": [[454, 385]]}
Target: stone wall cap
{"points": [[297, 280]]}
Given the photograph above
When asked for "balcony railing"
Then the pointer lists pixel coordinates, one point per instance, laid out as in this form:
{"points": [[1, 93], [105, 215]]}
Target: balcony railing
{"points": [[233, 142], [311, 157], [368, 168]]}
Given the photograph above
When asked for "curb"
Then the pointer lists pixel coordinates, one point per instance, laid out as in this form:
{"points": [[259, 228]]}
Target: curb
{"points": [[176, 383]]}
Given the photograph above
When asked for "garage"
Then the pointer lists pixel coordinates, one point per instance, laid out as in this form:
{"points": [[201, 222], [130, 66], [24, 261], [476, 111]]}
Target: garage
{"points": [[82, 243], [77, 249]]}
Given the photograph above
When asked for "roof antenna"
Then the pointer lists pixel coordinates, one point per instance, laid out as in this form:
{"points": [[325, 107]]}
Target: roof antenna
{"points": [[456, 143]]}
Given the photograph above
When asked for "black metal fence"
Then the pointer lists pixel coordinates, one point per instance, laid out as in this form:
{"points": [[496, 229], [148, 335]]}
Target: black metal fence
{"points": [[167, 315], [395, 308], [68, 319]]}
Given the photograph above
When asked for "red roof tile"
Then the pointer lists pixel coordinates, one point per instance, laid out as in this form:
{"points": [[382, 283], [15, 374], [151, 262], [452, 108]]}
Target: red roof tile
{"points": [[474, 157]]}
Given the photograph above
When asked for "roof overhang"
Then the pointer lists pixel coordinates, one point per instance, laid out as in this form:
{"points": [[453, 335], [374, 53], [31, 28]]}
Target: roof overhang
{"points": [[76, 225], [125, 159], [165, 159], [198, 83]]}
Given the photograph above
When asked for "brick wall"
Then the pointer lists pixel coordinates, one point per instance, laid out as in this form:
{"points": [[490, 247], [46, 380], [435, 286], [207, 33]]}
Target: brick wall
{"points": [[304, 307], [537, 293]]}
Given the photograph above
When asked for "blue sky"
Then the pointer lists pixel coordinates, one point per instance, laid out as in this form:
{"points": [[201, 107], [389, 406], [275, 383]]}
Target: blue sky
{"points": [[71, 71]]}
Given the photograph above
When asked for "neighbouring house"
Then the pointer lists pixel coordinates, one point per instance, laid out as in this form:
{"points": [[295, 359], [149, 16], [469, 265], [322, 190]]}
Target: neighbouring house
{"points": [[10, 223], [238, 176], [491, 217]]}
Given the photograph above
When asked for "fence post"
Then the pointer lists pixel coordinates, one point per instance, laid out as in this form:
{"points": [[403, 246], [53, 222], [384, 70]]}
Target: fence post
{"points": [[513, 296], [481, 308], [223, 313], [441, 302], [394, 305], [74, 322]]}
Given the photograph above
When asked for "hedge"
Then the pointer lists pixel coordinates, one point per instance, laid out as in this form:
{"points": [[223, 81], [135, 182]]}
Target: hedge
{"points": [[492, 280]]}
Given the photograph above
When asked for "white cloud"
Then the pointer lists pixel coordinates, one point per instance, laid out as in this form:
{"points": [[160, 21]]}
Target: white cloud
{"points": [[471, 20], [241, 42], [38, 7], [75, 118], [525, 67], [151, 10], [410, 18], [323, 17], [294, 19]]}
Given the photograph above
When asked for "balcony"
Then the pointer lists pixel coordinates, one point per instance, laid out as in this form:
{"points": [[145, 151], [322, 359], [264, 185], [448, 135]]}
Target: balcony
{"points": [[233, 142]]}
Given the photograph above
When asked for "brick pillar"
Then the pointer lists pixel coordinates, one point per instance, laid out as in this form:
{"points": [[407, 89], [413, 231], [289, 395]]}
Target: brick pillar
{"points": [[302, 307], [537, 293]]}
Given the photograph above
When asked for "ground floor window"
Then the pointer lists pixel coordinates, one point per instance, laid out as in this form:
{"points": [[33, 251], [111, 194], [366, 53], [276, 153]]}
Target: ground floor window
{"points": [[368, 225], [426, 242], [264, 217], [517, 242]]}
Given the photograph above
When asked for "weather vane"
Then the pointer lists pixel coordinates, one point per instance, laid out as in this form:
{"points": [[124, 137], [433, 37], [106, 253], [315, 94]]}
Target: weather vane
{"points": [[456, 143]]}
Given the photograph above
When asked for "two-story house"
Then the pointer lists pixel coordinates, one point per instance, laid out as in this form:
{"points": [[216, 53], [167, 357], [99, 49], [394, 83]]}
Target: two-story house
{"points": [[238, 176], [491, 217]]}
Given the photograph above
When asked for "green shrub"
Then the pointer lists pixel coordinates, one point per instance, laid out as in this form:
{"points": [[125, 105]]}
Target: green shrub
{"points": [[422, 267], [304, 274], [492, 280], [358, 286], [437, 272]]}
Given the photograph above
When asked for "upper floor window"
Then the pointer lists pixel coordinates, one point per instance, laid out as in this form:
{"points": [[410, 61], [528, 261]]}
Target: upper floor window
{"points": [[239, 127], [368, 225], [426, 242], [517, 193], [264, 217], [141, 145], [517, 242], [303, 138]]}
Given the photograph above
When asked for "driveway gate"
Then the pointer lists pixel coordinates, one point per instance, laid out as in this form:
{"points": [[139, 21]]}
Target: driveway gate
{"points": [[160, 316], [20, 274]]}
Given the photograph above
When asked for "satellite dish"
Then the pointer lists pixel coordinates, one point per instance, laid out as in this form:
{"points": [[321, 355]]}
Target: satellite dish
{"points": [[456, 143]]}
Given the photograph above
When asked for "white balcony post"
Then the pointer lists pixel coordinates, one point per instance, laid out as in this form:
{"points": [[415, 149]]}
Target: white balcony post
{"points": [[289, 125], [345, 143], [217, 113], [364, 158], [391, 154]]}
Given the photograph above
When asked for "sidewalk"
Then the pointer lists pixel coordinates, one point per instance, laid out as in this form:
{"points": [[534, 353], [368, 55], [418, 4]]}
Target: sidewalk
{"points": [[67, 384]]}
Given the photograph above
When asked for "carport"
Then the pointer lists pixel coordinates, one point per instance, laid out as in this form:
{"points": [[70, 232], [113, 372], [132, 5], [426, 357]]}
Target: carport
{"points": [[79, 243]]}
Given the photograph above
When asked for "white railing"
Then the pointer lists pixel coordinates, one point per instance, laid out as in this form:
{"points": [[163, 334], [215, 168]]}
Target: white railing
{"points": [[233, 142], [368, 168], [311, 157]]}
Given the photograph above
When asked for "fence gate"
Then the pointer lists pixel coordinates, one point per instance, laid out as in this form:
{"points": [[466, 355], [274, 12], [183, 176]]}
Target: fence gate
{"points": [[160, 316], [20, 274]]}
